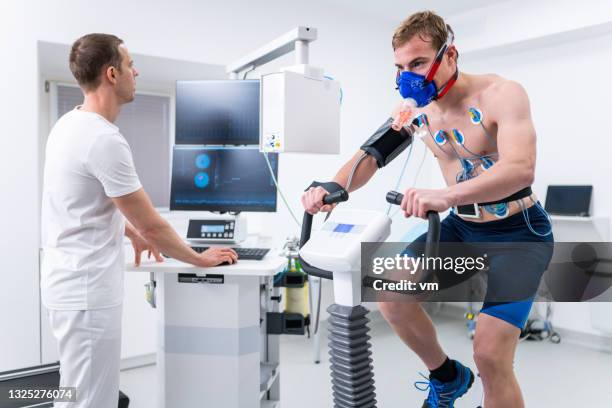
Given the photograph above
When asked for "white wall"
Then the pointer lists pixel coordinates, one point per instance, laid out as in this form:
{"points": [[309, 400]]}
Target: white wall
{"points": [[561, 52], [19, 222], [353, 48], [510, 23]]}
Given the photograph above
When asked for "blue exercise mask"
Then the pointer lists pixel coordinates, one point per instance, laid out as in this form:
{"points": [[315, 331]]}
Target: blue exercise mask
{"points": [[422, 88], [411, 85]]}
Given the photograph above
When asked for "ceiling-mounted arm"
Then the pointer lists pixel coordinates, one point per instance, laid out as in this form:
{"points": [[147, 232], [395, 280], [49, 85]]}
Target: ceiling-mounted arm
{"points": [[297, 39]]}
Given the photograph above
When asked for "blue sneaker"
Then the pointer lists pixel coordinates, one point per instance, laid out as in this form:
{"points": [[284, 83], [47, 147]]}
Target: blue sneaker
{"points": [[444, 395]]}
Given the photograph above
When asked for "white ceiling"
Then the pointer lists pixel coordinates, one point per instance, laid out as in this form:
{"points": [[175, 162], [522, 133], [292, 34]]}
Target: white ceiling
{"points": [[397, 10]]}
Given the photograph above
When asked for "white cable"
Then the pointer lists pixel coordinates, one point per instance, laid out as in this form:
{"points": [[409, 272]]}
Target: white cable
{"points": [[416, 177], [353, 169], [418, 172], [350, 179], [399, 179], [280, 191]]}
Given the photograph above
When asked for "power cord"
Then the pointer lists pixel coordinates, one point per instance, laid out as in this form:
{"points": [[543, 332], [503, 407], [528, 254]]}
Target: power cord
{"points": [[281, 191]]}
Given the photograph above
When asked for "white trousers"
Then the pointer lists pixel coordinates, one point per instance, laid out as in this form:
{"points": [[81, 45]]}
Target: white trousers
{"points": [[90, 350]]}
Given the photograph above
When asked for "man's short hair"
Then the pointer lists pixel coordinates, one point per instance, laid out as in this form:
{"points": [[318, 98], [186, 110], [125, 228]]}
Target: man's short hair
{"points": [[427, 25], [91, 54]]}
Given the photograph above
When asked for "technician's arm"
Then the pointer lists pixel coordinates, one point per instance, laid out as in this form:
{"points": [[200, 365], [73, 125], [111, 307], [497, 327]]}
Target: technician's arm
{"points": [[139, 211], [516, 142]]}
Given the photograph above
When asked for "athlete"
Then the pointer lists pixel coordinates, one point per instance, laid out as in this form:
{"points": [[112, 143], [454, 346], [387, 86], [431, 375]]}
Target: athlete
{"points": [[480, 130]]}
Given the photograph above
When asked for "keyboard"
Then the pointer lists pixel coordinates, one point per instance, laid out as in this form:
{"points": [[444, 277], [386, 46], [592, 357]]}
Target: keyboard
{"points": [[251, 254]]}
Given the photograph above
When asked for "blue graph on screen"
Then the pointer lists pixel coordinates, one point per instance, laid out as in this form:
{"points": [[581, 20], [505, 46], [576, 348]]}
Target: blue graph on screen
{"points": [[202, 161], [222, 179], [201, 180]]}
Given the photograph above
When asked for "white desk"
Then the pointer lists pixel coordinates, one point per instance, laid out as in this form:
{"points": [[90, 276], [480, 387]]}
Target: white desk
{"points": [[266, 267], [213, 348]]}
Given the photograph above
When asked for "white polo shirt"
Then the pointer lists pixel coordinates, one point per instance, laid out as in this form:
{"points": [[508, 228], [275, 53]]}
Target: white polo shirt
{"points": [[87, 162]]}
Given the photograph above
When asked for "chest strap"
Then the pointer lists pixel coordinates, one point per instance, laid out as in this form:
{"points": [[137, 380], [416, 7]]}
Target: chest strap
{"points": [[526, 192]]}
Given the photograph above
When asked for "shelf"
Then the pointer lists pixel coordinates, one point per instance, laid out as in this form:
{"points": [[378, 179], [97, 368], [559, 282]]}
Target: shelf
{"points": [[581, 229], [570, 218]]}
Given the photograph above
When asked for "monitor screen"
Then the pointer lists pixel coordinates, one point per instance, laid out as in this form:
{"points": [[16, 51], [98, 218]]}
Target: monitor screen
{"points": [[568, 200], [217, 112], [222, 179]]}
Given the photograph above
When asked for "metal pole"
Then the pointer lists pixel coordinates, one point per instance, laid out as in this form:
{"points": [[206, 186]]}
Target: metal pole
{"points": [[314, 291], [301, 52]]}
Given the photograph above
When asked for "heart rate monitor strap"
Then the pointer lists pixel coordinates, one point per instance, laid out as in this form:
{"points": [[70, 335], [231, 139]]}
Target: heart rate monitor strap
{"points": [[526, 192]]}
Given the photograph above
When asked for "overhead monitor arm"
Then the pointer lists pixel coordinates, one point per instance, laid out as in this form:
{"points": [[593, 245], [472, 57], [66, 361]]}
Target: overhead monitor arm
{"points": [[296, 39]]}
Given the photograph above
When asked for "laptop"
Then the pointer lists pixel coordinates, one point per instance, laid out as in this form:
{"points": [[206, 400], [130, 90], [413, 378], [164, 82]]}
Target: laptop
{"points": [[569, 200]]}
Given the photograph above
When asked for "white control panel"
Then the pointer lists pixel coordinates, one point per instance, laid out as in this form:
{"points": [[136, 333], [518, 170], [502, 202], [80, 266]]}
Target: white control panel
{"points": [[218, 229], [336, 246]]}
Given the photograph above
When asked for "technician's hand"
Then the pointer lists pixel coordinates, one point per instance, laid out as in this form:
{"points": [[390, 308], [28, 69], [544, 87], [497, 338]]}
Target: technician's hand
{"points": [[217, 255], [418, 201], [312, 200], [141, 245]]}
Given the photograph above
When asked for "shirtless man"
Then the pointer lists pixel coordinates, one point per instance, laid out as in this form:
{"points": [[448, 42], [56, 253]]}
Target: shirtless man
{"points": [[480, 130]]}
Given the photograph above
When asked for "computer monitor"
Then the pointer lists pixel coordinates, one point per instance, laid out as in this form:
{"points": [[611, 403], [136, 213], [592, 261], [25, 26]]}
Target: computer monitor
{"points": [[224, 112], [569, 200], [222, 179]]}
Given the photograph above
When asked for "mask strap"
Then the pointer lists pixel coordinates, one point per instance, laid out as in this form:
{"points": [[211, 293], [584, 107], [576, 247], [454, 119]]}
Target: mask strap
{"points": [[448, 85], [435, 65], [438, 59]]}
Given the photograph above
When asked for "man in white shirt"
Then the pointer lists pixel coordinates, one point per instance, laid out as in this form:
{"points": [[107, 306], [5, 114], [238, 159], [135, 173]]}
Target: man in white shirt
{"points": [[90, 185]]}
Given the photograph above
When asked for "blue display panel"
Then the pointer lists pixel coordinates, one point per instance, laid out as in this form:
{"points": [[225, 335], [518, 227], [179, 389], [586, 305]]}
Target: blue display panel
{"points": [[222, 179], [344, 228], [212, 228]]}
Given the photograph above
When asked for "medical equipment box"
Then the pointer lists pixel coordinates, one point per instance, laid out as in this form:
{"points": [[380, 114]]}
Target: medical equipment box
{"points": [[299, 113]]}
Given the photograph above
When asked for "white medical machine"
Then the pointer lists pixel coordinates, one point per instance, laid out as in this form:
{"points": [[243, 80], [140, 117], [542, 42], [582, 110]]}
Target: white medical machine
{"points": [[334, 252], [218, 328], [336, 247], [300, 105]]}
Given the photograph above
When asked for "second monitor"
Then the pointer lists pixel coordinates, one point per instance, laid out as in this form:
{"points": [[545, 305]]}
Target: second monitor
{"points": [[222, 179], [223, 112]]}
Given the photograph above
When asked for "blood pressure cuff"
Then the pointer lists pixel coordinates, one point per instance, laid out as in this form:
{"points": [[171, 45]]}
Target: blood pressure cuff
{"points": [[386, 143]]}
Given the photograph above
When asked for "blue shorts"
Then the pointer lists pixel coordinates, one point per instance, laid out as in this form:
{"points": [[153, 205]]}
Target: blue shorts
{"points": [[510, 229]]}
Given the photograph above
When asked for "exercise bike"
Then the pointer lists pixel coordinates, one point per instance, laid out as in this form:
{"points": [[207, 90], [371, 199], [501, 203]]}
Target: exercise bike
{"points": [[334, 252]]}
